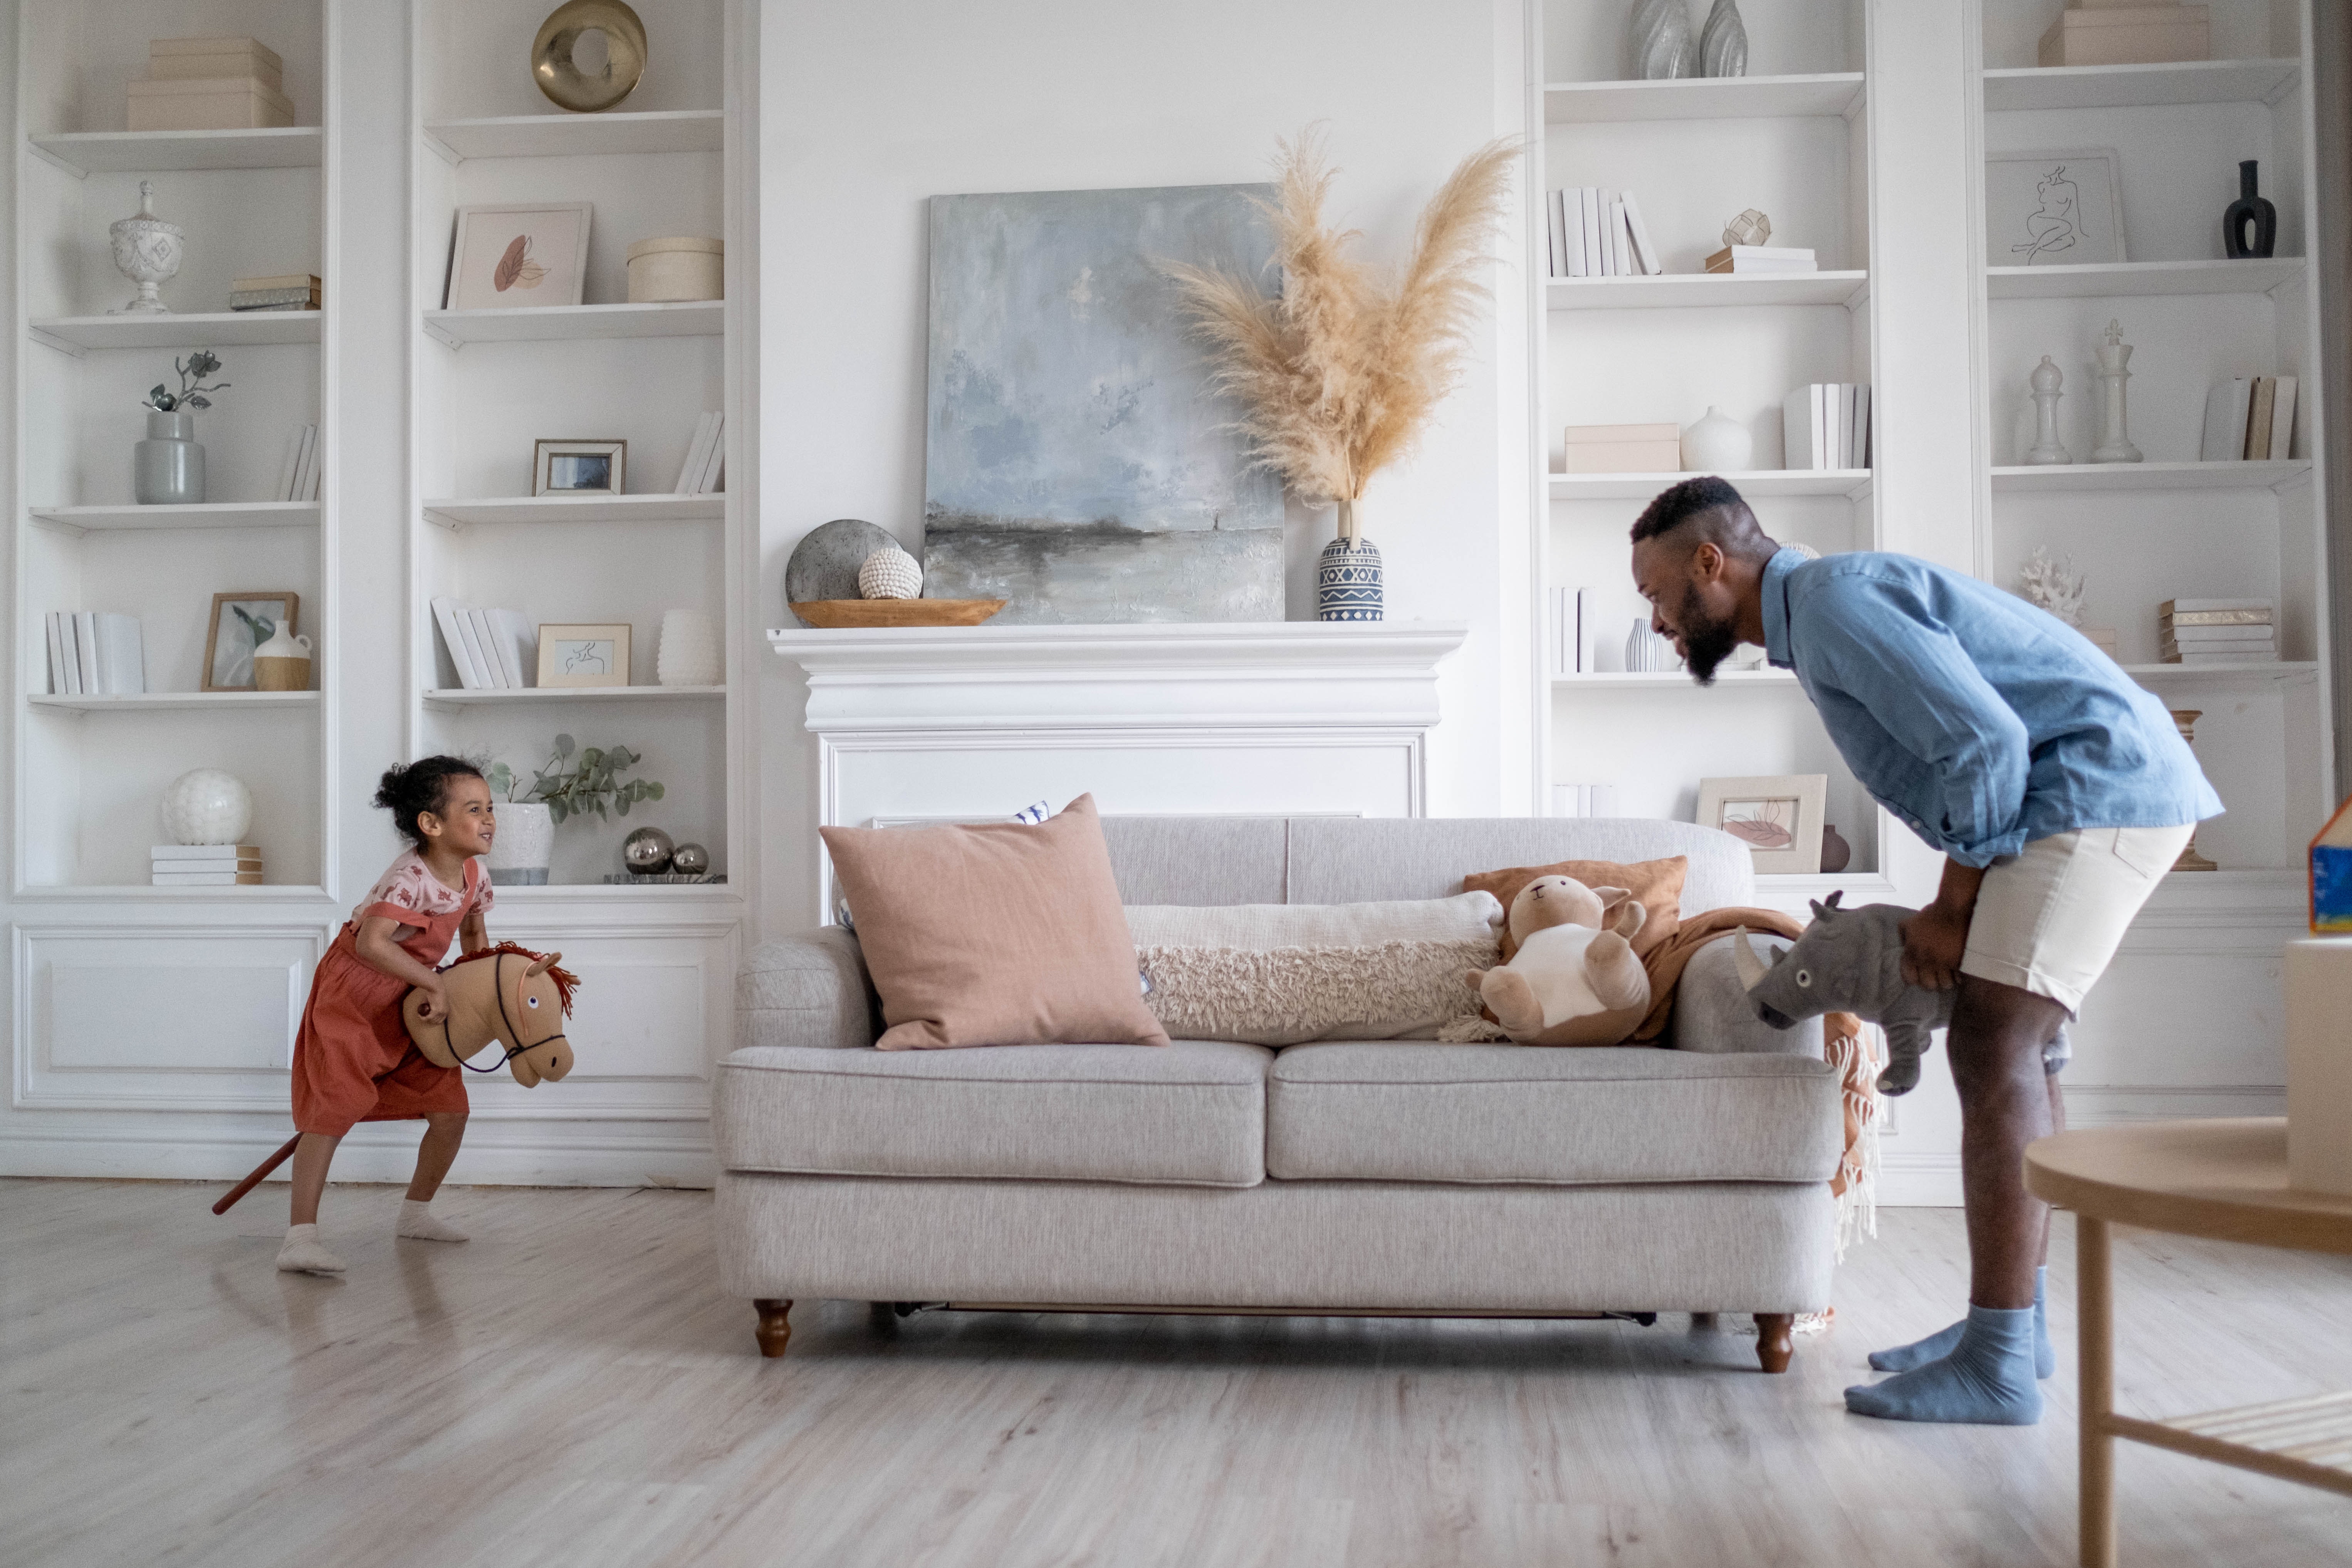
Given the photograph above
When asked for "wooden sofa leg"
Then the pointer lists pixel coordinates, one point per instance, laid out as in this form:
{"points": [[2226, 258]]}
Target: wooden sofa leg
{"points": [[1774, 1342], [775, 1329]]}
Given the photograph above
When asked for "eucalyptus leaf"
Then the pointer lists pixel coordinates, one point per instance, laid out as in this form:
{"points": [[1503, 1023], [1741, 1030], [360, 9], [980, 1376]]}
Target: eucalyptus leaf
{"points": [[562, 745], [621, 803]]}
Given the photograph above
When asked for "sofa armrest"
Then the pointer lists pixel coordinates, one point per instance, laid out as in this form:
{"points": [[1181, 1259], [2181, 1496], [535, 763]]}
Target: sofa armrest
{"points": [[1712, 1011], [807, 990]]}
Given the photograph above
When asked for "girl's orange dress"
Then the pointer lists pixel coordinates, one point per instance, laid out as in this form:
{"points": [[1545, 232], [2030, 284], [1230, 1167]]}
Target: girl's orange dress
{"points": [[353, 1061]]}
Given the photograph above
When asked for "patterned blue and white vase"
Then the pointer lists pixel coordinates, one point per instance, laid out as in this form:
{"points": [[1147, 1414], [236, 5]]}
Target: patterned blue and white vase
{"points": [[1347, 575]]}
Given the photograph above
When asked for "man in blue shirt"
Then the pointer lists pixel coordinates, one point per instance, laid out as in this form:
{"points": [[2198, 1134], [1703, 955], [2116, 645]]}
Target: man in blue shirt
{"points": [[2059, 793]]}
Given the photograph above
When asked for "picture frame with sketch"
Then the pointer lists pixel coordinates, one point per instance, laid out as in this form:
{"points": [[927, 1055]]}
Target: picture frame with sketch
{"points": [[580, 466], [241, 621], [583, 654], [2054, 209], [1777, 815], [517, 256]]}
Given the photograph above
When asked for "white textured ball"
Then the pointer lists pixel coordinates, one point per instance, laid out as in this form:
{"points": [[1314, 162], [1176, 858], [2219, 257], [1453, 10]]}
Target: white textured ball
{"points": [[891, 573], [1751, 228], [206, 805]]}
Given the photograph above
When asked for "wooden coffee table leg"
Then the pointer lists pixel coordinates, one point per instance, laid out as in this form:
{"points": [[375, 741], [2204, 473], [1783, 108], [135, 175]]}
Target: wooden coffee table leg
{"points": [[2095, 1330]]}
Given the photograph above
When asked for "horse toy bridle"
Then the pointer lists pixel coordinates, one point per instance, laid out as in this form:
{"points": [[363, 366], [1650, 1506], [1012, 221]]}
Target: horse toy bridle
{"points": [[498, 990]]}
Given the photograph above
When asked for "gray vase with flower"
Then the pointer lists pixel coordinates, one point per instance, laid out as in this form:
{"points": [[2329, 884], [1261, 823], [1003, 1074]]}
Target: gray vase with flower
{"points": [[168, 468]]}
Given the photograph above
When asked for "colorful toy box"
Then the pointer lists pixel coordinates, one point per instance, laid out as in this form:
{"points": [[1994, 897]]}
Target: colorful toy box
{"points": [[2331, 875]]}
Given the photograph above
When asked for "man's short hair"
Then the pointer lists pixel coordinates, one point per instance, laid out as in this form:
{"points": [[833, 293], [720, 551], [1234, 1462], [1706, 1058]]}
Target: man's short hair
{"points": [[1677, 504]]}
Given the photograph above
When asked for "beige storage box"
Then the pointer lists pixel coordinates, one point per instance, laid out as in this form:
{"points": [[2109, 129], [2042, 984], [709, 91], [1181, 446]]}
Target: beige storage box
{"points": [[215, 59], [216, 103], [667, 272], [2128, 35], [1623, 449]]}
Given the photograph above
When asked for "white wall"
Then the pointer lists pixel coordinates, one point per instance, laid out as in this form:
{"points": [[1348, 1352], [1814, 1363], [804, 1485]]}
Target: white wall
{"points": [[868, 110]]}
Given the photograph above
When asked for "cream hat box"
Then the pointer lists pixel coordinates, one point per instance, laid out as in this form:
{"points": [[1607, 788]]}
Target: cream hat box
{"points": [[678, 268]]}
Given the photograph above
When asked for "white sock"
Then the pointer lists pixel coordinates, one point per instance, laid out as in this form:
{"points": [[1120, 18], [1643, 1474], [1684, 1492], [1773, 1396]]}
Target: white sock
{"points": [[417, 1220], [303, 1254]]}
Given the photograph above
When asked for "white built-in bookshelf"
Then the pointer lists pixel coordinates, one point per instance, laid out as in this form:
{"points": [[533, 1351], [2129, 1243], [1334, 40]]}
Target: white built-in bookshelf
{"points": [[486, 384], [1793, 139], [90, 771]]}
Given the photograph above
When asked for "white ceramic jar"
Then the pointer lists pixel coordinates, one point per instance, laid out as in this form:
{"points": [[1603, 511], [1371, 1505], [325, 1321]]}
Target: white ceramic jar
{"points": [[678, 268]]}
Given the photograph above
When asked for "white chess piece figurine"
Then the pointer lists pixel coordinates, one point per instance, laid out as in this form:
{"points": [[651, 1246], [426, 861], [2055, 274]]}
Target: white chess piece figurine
{"points": [[2115, 357], [2045, 382]]}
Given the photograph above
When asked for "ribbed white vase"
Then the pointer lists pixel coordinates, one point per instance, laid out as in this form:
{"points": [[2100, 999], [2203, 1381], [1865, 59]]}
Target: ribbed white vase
{"points": [[689, 650]]}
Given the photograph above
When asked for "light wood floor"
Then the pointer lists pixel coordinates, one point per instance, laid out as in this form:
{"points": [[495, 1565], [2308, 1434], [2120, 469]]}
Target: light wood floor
{"points": [[570, 1387]]}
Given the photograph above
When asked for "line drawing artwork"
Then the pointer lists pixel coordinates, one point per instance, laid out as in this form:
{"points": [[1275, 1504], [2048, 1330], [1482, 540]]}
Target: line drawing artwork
{"points": [[2055, 223], [587, 659]]}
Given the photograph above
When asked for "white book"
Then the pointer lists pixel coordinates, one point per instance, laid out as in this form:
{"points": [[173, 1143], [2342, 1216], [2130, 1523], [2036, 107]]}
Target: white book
{"points": [[58, 661], [1839, 407], [204, 878], [286, 465], [1645, 252], [1824, 424], [206, 852], [516, 645], [121, 658], [2220, 658], [69, 649], [1587, 630], [1805, 426], [2282, 420], [305, 463], [2192, 606], [1620, 237], [2226, 408], [317, 467], [2219, 636], [1588, 206], [86, 650], [475, 629], [696, 451], [1612, 261], [714, 465], [446, 613], [1862, 427], [1563, 264]]}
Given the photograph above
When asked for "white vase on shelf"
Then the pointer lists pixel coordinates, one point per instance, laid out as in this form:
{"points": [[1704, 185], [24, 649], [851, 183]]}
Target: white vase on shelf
{"points": [[148, 251], [1718, 444], [522, 845], [1658, 40], [689, 650]]}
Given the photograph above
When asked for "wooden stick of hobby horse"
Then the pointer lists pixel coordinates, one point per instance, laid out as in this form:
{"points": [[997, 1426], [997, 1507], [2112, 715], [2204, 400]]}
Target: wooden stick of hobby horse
{"points": [[253, 1181]]}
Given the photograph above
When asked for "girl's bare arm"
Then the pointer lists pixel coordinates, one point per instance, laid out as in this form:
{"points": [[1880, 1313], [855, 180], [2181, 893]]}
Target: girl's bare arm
{"points": [[376, 944], [473, 933]]}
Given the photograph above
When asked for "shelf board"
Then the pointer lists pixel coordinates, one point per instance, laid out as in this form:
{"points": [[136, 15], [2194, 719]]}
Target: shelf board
{"points": [[153, 701], [172, 330], [579, 509], [2122, 279], [2129, 87], [510, 696], [144, 152], [570, 135], [1671, 678], [1851, 483], [1682, 291], [2063, 477], [607, 892], [143, 892], [209, 514], [545, 323], [1704, 98], [2281, 672]]}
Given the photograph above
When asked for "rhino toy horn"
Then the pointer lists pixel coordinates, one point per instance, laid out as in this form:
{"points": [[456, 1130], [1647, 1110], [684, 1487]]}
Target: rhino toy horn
{"points": [[1751, 968]]}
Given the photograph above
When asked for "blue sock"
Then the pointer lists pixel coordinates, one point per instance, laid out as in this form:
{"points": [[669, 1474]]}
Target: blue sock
{"points": [[1936, 1346], [1987, 1381]]}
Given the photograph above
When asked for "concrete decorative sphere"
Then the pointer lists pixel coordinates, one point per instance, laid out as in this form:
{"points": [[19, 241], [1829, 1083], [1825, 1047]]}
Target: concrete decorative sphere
{"points": [[691, 860], [647, 852], [206, 805], [824, 564], [890, 574]]}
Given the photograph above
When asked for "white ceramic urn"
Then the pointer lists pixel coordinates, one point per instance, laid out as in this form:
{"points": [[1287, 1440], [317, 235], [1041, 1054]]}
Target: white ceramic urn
{"points": [[523, 845], [1718, 444]]}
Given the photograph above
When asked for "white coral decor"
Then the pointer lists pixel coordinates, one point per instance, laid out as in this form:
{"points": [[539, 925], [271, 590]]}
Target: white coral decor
{"points": [[2051, 584], [891, 573], [206, 805]]}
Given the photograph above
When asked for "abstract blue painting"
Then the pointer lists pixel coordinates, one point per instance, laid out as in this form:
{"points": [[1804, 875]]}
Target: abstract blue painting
{"points": [[1074, 462]]}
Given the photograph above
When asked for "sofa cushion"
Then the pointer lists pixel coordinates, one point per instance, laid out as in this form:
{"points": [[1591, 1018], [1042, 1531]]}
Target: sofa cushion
{"points": [[1406, 1113], [1191, 1114]]}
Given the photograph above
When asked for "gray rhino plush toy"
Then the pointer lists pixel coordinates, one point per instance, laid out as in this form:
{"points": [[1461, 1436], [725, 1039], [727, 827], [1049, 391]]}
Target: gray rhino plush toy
{"points": [[1850, 960]]}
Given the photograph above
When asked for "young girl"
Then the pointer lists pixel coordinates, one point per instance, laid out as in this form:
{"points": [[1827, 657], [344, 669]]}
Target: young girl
{"points": [[353, 1061]]}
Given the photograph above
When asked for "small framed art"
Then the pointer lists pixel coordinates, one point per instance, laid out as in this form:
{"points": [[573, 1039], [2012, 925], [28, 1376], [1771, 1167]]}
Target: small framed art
{"points": [[2054, 209], [1777, 815], [518, 254], [239, 624], [588, 655], [579, 468]]}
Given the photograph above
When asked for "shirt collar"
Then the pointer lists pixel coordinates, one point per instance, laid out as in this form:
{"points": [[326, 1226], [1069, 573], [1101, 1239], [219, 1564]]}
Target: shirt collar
{"points": [[1775, 588]]}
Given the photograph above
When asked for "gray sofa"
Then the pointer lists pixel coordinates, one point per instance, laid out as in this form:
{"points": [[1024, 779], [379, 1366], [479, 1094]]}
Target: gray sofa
{"points": [[1392, 1176]]}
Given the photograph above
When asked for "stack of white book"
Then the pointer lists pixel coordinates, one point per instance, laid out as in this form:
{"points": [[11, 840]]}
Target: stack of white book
{"points": [[207, 866], [2249, 420], [1598, 233], [95, 653], [2216, 631], [1762, 258], [298, 471], [1575, 626], [1826, 426], [705, 470], [491, 648]]}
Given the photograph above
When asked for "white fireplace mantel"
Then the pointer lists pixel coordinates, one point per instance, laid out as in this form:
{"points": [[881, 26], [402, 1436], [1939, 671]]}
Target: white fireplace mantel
{"points": [[1271, 717]]}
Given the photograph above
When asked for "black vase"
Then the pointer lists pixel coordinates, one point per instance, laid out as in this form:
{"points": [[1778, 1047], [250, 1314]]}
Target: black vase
{"points": [[2249, 225]]}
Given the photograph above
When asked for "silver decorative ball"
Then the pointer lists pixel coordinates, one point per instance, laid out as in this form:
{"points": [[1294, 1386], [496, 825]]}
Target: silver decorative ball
{"points": [[691, 860], [1751, 228], [647, 852]]}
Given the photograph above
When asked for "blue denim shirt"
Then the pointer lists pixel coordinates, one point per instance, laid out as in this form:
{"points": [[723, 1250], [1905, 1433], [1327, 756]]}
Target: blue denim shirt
{"points": [[1977, 719]]}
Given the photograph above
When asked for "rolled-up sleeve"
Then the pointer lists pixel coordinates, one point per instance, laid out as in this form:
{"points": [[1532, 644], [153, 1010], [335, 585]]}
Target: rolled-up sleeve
{"points": [[1879, 643]]}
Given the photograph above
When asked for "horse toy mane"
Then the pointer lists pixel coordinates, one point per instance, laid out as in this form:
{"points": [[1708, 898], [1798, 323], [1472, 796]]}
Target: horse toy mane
{"points": [[566, 982], [520, 1004]]}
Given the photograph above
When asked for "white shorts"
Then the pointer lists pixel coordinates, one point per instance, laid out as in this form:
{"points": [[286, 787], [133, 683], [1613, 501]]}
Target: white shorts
{"points": [[2049, 919]]}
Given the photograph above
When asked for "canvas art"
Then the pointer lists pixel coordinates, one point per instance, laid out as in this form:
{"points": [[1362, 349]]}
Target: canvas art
{"points": [[1778, 816], [1075, 461], [241, 623], [521, 253], [596, 654], [2054, 209]]}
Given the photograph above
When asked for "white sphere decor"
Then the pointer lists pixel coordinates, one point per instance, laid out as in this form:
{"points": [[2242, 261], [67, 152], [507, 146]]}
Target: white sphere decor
{"points": [[891, 573], [206, 805]]}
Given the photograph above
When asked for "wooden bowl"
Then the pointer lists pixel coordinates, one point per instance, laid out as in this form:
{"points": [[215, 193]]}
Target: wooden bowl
{"points": [[832, 613]]}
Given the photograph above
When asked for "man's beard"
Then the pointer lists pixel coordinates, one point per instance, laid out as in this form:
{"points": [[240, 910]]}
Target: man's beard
{"points": [[1706, 643]]}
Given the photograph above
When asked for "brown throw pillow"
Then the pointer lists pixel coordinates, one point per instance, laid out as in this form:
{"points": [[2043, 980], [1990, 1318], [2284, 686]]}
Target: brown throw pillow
{"points": [[1658, 884], [996, 934]]}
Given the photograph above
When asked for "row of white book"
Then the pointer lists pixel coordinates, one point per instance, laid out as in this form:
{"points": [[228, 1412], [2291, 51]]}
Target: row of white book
{"points": [[96, 653], [2249, 419], [1755, 258], [493, 649], [1576, 630], [298, 473], [1597, 233], [704, 470], [2217, 631], [205, 866], [1826, 425]]}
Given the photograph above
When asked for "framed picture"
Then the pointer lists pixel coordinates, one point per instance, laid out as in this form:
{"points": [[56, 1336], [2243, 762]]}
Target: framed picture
{"points": [[241, 623], [2054, 209], [579, 468], [517, 254], [595, 655], [1777, 815]]}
